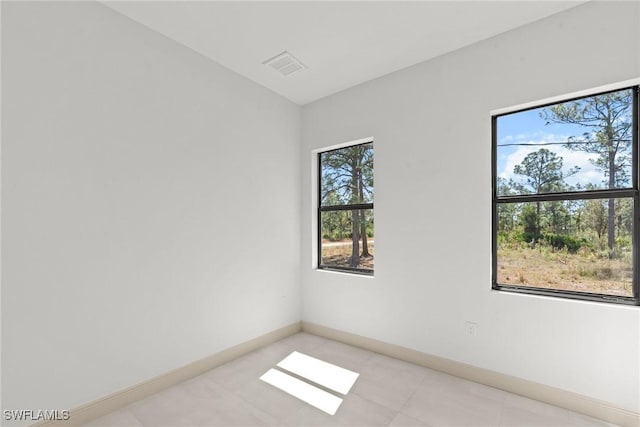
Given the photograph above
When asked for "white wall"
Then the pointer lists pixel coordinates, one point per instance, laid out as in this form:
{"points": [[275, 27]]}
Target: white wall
{"points": [[431, 125], [151, 205]]}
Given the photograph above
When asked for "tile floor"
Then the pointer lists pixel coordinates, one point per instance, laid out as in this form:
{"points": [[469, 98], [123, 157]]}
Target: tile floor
{"points": [[389, 392]]}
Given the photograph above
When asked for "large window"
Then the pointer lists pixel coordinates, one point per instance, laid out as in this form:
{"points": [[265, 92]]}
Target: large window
{"points": [[345, 209], [565, 199]]}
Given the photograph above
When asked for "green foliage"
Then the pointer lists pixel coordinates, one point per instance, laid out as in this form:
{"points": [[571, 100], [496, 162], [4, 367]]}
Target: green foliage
{"points": [[575, 226], [347, 179], [543, 173], [338, 225], [347, 175], [595, 216], [624, 242], [608, 118], [558, 242], [529, 219]]}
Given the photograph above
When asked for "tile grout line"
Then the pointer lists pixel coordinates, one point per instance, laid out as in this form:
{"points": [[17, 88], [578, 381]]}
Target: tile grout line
{"points": [[413, 393]]}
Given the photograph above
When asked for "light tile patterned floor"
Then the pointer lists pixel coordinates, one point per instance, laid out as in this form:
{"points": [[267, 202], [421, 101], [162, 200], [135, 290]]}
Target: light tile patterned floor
{"points": [[389, 392]]}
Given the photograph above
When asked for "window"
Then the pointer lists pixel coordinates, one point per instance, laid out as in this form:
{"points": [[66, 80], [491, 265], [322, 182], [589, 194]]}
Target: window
{"points": [[345, 209], [565, 199]]}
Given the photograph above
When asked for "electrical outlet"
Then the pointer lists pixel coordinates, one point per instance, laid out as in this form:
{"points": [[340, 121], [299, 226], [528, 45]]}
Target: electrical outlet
{"points": [[471, 328]]}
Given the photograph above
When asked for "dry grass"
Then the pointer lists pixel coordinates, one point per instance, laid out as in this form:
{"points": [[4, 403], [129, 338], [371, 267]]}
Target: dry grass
{"points": [[340, 255], [543, 268]]}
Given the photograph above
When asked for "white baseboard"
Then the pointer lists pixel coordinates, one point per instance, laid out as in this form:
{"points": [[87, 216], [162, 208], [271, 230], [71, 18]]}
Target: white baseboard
{"points": [[558, 397], [544, 393], [122, 398]]}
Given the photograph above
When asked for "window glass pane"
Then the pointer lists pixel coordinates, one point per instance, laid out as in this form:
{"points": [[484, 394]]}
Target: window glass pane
{"points": [[567, 245], [347, 176], [578, 145], [347, 239]]}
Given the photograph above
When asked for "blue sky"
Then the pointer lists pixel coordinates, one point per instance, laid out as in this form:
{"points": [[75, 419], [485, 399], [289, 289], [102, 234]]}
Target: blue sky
{"points": [[526, 129]]}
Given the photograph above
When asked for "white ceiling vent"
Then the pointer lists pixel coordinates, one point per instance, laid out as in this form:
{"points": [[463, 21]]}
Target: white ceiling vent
{"points": [[285, 63]]}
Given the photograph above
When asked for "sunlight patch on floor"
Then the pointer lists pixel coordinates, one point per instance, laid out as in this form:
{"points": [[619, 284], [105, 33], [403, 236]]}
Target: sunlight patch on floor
{"points": [[315, 371]]}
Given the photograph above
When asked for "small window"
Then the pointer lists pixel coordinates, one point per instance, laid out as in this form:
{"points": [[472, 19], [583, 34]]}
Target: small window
{"points": [[565, 198], [345, 209]]}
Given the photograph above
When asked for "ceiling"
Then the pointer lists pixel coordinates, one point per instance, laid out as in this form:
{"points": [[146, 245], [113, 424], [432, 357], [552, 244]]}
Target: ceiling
{"points": [[343, 43]]}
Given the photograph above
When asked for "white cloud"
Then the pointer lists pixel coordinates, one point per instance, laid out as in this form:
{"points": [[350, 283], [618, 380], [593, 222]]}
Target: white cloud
{"points": [[510, 139], [588, 172], [513, 159], [520, 138]]}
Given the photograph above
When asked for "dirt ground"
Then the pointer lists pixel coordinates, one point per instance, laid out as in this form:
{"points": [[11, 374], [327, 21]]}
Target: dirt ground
{"points": [[561, 270], [339, 254]]}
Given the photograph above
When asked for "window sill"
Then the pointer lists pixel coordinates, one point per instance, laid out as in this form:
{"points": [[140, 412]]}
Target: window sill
{"points": [[346, 272]]}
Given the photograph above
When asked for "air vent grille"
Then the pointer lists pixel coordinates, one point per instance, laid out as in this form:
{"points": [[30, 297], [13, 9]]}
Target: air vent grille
{"points": [[285, 64]]}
